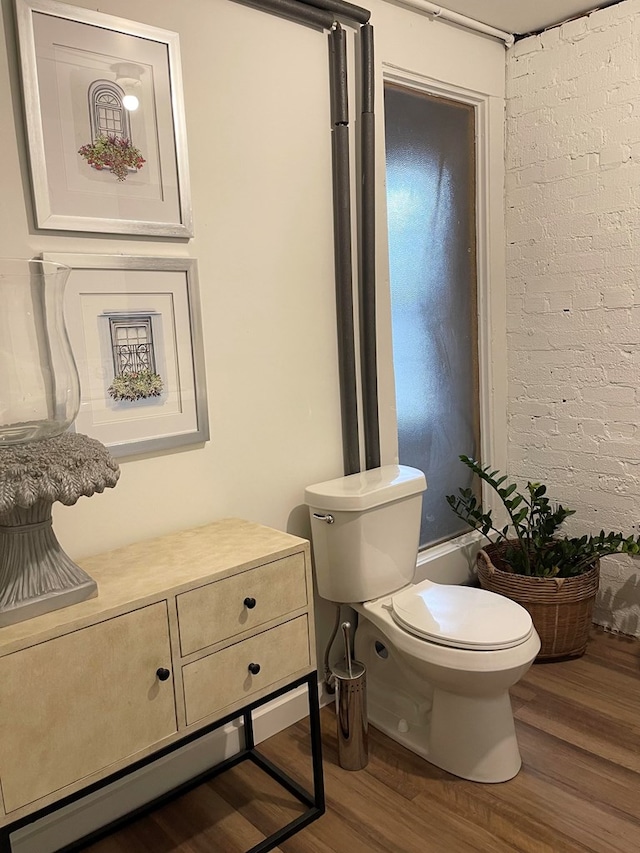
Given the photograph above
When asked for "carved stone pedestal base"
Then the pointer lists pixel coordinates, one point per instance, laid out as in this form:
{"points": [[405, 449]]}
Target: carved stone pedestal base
{"points": [[36, 576]]}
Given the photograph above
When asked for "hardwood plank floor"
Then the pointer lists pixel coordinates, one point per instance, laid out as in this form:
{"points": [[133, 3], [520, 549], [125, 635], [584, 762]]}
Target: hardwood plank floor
{"points": [[578, 725]]}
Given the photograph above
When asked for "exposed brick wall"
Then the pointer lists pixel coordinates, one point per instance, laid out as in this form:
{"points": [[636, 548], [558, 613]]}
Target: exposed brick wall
{"points": [[573, 279]]}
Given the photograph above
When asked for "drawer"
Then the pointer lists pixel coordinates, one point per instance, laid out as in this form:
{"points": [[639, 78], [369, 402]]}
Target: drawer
{"points": [[216, 612], [214, 682]]}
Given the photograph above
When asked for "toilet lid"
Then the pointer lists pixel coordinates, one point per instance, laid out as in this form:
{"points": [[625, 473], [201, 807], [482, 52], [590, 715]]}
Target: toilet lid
{"points": [[461, 616]]}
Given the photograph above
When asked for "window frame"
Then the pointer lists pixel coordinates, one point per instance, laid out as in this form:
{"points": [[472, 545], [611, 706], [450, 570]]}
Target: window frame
{"points": [[452, 561], [128, 321]]}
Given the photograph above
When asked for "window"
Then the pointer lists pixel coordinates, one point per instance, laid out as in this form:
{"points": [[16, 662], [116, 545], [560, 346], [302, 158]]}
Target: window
{"points": [[431, 210], [132, 344], [106, 110]]}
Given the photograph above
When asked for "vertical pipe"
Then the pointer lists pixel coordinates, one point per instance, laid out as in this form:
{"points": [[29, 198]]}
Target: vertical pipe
{"points": [[342, 240], [367, 68], [339, 93], [367, 304]]}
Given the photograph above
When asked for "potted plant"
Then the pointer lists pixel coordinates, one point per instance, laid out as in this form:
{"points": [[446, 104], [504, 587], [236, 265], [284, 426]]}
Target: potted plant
{"points": [[113, 152], [554, 576]]}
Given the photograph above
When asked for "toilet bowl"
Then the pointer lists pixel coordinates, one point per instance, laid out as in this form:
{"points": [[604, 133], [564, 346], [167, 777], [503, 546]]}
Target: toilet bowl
{"points": [[440, 658]]}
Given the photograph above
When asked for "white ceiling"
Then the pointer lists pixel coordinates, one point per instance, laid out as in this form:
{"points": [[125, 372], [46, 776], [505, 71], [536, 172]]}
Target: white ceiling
{"points": [[523, 16]]}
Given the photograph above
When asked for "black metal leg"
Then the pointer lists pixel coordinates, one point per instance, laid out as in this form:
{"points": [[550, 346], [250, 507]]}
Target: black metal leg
{"points": [[316, 801], [316, 742], [249, 741]]}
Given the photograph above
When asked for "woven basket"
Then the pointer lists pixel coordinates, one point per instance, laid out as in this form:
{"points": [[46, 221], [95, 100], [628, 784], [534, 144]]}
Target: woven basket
{"points": [[560, 608]]}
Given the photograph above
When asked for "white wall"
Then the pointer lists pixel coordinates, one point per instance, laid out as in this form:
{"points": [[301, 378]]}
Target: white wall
{"points": [[258, 126], [573, 222], [259, 153]]}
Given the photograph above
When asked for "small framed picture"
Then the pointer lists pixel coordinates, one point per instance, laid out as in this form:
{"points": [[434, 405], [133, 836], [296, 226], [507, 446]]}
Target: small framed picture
{"points": [[136, 334], [105, 122]]}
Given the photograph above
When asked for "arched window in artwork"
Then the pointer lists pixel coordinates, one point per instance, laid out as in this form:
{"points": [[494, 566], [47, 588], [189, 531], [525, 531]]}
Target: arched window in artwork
{"points": [[106, 111]]}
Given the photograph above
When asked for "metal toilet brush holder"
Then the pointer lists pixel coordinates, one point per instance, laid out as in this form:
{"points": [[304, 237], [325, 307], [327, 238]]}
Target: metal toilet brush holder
{"points": [[350, 680]]}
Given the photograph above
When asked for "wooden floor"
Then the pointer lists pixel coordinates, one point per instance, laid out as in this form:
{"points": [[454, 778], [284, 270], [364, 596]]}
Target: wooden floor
{"points": [[578, 725]]}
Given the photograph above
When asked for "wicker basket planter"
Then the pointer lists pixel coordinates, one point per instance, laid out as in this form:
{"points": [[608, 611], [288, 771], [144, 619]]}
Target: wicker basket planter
{"points": [[561, 608]]}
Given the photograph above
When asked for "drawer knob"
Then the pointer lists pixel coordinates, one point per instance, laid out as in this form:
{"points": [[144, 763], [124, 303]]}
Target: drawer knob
{"points": [[162, 673], [249, 603], [254, 668]]}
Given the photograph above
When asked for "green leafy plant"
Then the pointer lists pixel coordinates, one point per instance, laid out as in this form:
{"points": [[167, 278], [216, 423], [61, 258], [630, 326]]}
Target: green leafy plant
{"points": [[533, 546], [136, 385], [112, 152]]}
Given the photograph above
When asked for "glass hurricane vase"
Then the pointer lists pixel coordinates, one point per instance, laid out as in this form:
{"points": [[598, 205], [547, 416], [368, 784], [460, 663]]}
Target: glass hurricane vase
{"points": [[39, 385]]}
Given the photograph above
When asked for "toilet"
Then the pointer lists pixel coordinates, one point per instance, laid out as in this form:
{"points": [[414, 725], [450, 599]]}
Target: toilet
{"points": [[440, 659]]}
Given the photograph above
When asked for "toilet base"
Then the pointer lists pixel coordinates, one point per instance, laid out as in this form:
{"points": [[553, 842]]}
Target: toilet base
{"points": [[473, 739]]}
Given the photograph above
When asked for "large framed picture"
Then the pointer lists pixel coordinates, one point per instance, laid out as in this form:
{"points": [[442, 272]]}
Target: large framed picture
{"points": [[135, 329], [105, 122]]}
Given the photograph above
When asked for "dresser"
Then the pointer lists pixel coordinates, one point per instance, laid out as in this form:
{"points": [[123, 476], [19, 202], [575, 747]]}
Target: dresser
{"points": [[188, 632]]}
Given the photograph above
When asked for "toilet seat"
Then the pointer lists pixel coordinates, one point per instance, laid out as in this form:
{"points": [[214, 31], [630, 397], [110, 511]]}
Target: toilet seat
{"points": [[461, 616]]}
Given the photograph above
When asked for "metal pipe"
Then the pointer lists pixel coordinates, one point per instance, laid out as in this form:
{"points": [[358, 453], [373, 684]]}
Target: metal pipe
{"points": [[300, 12], [342, 250], [346, 637], [338, 69], [367, 290], [344, 300], [367, 80], [343, 9], [328, 681], [321, 13], [457, 18]]}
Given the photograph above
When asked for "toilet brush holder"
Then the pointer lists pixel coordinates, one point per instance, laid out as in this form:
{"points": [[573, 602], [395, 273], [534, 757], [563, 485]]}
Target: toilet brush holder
{"points": [[349, 679]]}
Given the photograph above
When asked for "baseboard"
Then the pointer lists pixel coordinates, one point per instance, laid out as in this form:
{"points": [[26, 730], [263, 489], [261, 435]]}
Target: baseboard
{"points": [[84, 816]]}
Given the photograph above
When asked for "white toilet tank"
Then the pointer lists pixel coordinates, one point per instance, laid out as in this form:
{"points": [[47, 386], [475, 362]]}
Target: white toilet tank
{"points": [[365, 530]]}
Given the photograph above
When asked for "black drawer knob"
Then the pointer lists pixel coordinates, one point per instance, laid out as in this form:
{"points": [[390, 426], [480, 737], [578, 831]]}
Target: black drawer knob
{"points": [[254, 668], [249, 603], [163, 673]]}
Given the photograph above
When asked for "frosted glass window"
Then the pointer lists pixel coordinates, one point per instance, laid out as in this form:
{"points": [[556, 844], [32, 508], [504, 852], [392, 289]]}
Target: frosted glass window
{"points": [[431, 201]]}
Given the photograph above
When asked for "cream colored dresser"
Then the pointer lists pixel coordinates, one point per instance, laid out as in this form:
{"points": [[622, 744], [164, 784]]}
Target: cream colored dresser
{"points": [[188, 631]]}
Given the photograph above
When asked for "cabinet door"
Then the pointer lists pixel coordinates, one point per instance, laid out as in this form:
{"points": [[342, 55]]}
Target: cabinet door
{"points": [[73, 706]]}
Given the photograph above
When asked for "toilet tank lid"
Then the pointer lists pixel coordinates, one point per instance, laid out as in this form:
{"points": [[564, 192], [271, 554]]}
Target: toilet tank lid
{"points": [[368, 489]]}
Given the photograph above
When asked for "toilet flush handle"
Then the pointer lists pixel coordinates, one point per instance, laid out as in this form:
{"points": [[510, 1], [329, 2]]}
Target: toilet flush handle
{"points": [[328, 518]]}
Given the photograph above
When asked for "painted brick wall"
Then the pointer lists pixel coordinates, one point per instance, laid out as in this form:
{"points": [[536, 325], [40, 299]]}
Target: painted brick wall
{"points": [[573, 279]]}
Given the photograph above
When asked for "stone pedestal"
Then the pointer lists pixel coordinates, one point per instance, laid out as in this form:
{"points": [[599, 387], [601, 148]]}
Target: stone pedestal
{"points": [[36, 576]]}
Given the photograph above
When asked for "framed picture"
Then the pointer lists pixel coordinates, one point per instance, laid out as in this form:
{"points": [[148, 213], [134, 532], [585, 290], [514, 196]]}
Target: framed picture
{"points": [[135, 330], [105, 122]]}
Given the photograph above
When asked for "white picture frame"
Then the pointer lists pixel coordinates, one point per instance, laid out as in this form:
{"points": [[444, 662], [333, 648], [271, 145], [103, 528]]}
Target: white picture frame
{"points": [[135, 328], [78, 69]]}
